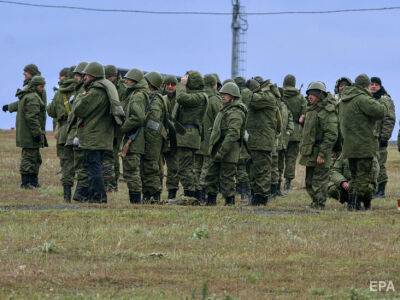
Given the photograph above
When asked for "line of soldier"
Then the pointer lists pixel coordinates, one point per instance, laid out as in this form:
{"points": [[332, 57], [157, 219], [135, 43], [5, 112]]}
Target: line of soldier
{"points": [[237, 137]]}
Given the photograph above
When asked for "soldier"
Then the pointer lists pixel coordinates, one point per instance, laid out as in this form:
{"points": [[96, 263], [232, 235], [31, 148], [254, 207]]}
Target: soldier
{"points": [[137, 98], [202, 159], [297, 106], [111, 169], [341, 83], [95, 128], [384, 131], [225, 142], [81, 190], [188, 112], [169, 151], [319, 136], [339, 178], [30, 127], [278, 156], [262, 125], [59, 109], [155, 135], [359, 113], [219, 84]]}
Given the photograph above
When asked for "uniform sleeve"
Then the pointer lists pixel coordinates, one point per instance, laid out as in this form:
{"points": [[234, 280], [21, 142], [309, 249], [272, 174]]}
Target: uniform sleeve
{"points": [[136, 114], [262, 101], [190, 100], [32, 114], [13, 107], [388, 122], [372, 108], [303, 105], [232, 135], [337, 176], [51, 108], [330, 135], [290, 123]]}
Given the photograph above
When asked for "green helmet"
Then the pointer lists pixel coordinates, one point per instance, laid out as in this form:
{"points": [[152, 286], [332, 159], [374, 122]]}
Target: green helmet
{"points": [[195, 81], [240, 81], [110, 70], [230, 88], [80, 67], [170, 79], [362, 80], [317, 85], [340, 80], [226, 81], [154, 79], [37, 80], [259, 79], [289, 80], [134, 74], [252, 85], [210, 80], [94, 69]]}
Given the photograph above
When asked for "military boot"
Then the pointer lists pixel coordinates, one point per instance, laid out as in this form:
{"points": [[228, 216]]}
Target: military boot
{"points": [[367, 202], [156, 197], [67, 193], [189, 193], [146, 197], [230, 201], [211, 200], [354, 202], [134, 197], [25, 181], [81, 194], [244, 193], [257, 200], [34, 180], [198, 194], [381, 190], [274, 189], [288, 184], [172, 193]]}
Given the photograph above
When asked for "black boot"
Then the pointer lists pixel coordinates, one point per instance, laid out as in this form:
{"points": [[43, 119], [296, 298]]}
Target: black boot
{"points": [[156, 197], [211, 200], [259, 200], [288, 184], [354, 202], [172, 193], [134, 197], [146, 197], [274, 189], [198, 194], [380, 193], [189, 193], [67, 193], [367, 202], [230, 201], [34, 180], [25, 181], [81, 194]]}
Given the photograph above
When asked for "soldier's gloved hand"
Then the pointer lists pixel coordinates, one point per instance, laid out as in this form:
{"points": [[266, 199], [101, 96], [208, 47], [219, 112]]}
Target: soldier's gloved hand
{"points": [[38, 138], [383, 143], [5, 107]]}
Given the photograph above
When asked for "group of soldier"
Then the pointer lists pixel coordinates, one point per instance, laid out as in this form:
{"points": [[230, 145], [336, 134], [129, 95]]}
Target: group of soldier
{"points": [[237, 137]]}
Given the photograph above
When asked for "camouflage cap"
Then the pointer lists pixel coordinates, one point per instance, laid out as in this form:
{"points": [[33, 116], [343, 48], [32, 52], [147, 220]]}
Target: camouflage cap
{"points": [[32, 69], [362, 80], [289, 81], [170, 79], [64, 72], [195, 81], [110, 70]]}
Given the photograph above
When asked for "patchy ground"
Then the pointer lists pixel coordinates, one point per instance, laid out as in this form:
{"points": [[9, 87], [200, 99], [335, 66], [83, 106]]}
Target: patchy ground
{"points": [[49, 249]]}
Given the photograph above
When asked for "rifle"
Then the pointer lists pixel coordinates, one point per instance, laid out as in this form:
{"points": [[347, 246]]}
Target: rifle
{"points": [[131, 138]]}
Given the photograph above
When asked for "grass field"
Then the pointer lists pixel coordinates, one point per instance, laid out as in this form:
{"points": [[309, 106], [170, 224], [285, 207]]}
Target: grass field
{"points": [[282, 251]]}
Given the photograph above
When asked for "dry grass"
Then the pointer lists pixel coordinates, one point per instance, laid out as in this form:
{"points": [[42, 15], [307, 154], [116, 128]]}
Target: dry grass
{"points": [[163, 252]]}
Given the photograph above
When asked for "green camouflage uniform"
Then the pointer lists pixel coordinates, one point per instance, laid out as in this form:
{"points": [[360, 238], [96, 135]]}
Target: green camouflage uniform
{"points": [[30, 125], [190, 108], [262, 125], [320, 133], [359, 113]]}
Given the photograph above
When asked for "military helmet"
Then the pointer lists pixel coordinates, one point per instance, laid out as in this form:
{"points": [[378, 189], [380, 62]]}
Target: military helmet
{"points": [[289, 80], [154, 79], [316, 85], [94, 69], [134, 74], [259, 79], [240, 81], [32, 69], [252, 85], [362, 80], [230, 88], [37, 80], [195, 81], [210, 80], [80, 67], [226, 81], [170, 79], [340, 80], [110, 70]]}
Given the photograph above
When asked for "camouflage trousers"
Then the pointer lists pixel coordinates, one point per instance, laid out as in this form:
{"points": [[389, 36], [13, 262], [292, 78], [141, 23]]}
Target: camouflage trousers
{"points": [[108, 169], [278, 166], [221, 177], [382, 158], [66, 156], [171, 161], [185, 158], [79, 166], [31, 161], [242, 172], [131, 171], [201, 165], [317, 179], [338, 193], [150, 174], [292, 151], [260, 172], [363, 176]]}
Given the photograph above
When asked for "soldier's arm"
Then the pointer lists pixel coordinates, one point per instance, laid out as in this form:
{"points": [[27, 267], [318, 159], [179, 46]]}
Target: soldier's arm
{"points": [[262, 101], [330, 135], [290, 123], [32, 112], [190, 100], [51, 108], [374, 109], [13, 107], [136, 116], [388, 122], [235, 121], [86, 104]]}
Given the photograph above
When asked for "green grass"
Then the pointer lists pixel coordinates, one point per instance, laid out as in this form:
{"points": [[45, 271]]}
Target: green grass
{"points": [[282, 251]]}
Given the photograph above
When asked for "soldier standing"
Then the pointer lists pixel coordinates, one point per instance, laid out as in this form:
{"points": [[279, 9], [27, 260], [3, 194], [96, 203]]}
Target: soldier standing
{"points": [[225, 142], [319, 136], [359, 112], [384, 131], [59, 109], [30, 127]]}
